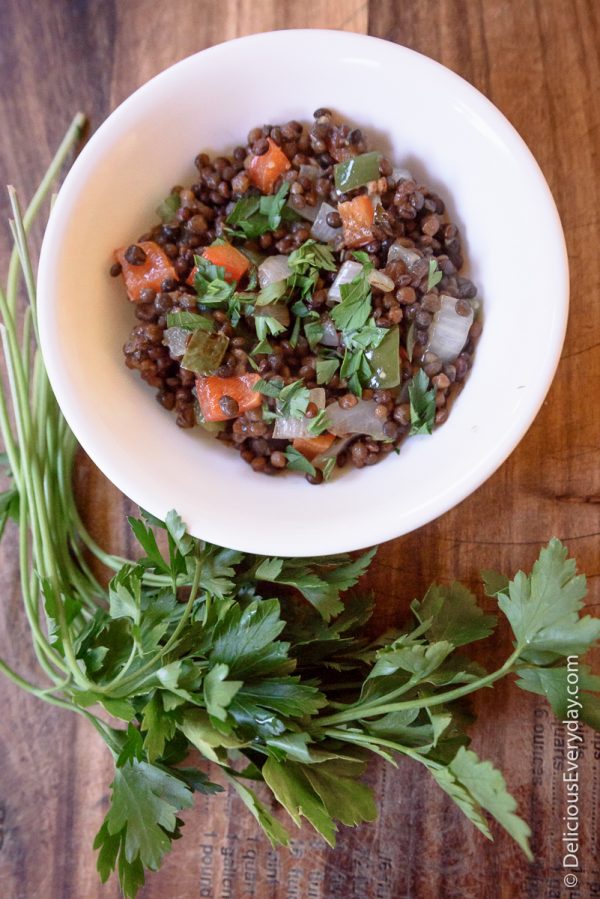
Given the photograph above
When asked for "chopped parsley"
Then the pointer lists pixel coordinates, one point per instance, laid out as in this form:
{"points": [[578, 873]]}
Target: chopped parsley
{"points": [[265, 325], [422, 404], [297, 462], [168, 208], [191, 321], [355, 307], [326, 368], [262, 347], [271, 293], [319, 424], [253, 216], [435, 274], [328, 468], [292, 400]]}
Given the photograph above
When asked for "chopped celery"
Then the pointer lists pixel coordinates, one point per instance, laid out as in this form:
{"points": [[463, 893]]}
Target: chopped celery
{"points": [[204, 352], [385, 361], [356, 172]]}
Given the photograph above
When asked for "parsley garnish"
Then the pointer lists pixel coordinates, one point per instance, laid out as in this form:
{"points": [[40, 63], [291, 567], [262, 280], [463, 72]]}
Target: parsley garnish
{"points": [[319, 424], [253, 216], [326, 368], [422, 404], [355, 307], [292, 400], [168, 208], [328, 467], [265, 325], [210, 283], [297, 462], [191, 321], [313, 331], [263, 346], [271, 293], [434, 275], [306, 262]]}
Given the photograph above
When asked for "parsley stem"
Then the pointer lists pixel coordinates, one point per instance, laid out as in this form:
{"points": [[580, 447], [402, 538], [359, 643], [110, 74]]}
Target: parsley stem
{"points": [[383, 705], [72, 135], [370, 741]]}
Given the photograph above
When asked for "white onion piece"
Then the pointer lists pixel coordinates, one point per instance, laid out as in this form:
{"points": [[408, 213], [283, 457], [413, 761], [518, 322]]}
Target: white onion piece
{"points": [[448, 331], [272, 270], [380, 281], [400, 174], [279, 311], [398, 253], [358, 419], [348, 272], [337, 447], [307, 212], [290, 428], [176, 341], [330, 335], [310, 171], [320, 229]]}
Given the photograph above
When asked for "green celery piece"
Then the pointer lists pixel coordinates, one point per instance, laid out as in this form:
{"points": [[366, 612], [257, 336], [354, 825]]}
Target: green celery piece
{"points": [[385, 361], [356, 172], [205, 352]]}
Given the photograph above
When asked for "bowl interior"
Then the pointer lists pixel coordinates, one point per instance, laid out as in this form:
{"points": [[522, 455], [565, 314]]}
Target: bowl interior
{"points": [[427, 119]]}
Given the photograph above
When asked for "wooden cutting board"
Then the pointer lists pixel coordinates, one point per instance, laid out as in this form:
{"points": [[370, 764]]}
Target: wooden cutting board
{"points": [[538, 61]]}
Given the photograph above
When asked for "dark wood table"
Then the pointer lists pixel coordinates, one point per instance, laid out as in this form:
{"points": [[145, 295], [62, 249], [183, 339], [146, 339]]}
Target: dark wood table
{"points": [[538, 61]]}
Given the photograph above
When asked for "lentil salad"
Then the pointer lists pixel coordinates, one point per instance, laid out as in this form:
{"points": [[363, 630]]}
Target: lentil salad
{"points": [[302, 301]]}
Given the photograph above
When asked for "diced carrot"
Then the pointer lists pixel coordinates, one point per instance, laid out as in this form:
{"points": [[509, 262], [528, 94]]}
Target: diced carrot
{"points": [[357, 217], [226, 256], [151, 273], [265, 170], [311, 447], [235, 263], [240, 388]]}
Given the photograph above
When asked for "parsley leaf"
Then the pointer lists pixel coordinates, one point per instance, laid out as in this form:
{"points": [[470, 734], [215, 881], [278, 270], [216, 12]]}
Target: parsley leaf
{"points": [[297, 462], [210, 283], [253, 216], [271, 293], [313, 331], [434, 275], [453, 614], [262, 347], [355, 307], [169, 208], [543, 609], [143, 812], [325, 369], [319, 424], [265, 325], [422, 404], [293, 400], [191, 321]]}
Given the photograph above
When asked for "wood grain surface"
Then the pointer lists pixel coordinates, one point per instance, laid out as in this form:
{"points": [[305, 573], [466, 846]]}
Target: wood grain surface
{"points": [[538, 61]]}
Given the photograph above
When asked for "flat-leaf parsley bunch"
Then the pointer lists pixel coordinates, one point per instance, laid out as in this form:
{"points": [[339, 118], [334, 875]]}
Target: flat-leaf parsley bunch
{"points": [[255, 662]]}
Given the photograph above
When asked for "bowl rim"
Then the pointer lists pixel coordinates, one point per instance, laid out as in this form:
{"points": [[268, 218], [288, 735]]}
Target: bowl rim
{"points": [[99, 143]]}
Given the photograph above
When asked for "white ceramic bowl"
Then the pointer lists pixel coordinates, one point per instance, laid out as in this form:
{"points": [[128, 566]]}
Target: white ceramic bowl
{"points": [[430, 120]]}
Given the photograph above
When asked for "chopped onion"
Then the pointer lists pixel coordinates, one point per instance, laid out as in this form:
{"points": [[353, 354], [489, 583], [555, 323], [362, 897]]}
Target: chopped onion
{"points": [[337, 447], [272, 270], [279, 311], [348, 272], [330, 335], [400, 174], [358, 419], [307, 212], [407, 255], [381, 281], [320, 229], [290, 428], [176, 341], [448, 331]]}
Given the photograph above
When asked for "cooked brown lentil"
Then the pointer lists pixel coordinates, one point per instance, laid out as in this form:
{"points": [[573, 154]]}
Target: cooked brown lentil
{"points": [[408, 214]]}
